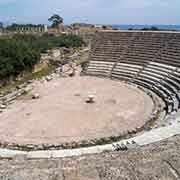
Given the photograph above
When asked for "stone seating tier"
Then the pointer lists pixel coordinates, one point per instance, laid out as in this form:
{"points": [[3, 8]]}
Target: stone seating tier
{"points": [[148, 59]]}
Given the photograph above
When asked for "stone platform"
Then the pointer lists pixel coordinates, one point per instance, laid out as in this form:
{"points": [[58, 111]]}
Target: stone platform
{"points": [[61, 115]]}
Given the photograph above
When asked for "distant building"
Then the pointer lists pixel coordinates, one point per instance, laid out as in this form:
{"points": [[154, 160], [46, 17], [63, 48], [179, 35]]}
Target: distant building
{"points": [[31, 29], [26, 28], [82, 25], [98, 26]]}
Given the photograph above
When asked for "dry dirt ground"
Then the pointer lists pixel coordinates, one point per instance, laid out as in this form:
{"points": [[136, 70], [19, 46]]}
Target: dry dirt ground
{"points": [[159, 161], [62, 115]]}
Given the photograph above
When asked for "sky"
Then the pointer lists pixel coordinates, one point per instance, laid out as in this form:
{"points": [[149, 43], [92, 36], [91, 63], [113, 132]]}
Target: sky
{"points": [[92, 11]]}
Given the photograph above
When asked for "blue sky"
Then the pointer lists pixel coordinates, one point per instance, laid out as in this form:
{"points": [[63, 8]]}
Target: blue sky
{"points": [[92, 11]]}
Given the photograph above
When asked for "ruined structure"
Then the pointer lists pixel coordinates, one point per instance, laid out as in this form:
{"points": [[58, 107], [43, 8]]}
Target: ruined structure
{"points": [[147, 59], [31, 29], [148, 62]]}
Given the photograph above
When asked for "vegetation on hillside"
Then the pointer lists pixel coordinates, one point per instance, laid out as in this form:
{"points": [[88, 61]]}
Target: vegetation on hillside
{"points": [[153, 28], [21, 52]]}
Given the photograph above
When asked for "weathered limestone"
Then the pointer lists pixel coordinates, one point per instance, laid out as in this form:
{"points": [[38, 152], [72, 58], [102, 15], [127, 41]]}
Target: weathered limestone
{"points": [[48, 78], [90, 99], [35, 96], [3, 106]]}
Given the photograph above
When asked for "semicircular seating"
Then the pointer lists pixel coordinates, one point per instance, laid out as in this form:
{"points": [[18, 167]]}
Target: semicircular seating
{"points": [[148, 59]]}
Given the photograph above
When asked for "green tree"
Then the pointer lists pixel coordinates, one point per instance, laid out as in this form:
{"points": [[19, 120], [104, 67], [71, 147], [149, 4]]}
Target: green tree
{"points": [[56, 20], [21, 52], [1, 25]]}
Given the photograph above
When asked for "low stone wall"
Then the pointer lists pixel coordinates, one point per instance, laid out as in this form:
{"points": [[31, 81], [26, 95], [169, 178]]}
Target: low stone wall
{"points": [[8, 97]]}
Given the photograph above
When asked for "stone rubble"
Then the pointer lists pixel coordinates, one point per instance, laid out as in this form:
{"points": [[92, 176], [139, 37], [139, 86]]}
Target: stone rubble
{"points": [[66, 70], [49, 78], [35, 96]]}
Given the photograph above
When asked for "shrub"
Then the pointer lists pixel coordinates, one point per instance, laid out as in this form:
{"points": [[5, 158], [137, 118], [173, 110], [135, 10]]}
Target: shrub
{"points": [[22, 52]]}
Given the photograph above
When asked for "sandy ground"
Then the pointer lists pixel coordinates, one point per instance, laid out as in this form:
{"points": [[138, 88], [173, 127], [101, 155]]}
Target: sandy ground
{"points": [[62, 115]]}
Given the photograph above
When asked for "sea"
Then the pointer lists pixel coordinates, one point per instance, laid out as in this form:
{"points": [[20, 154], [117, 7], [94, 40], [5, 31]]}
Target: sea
{"points": [[162, 27]]}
